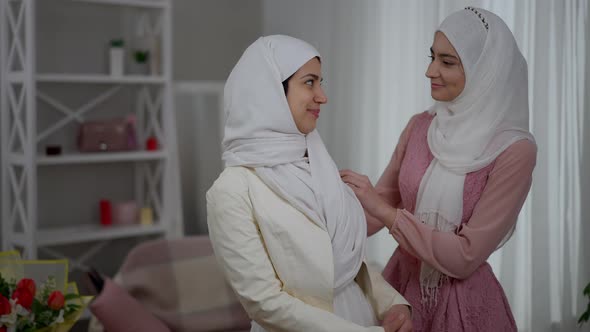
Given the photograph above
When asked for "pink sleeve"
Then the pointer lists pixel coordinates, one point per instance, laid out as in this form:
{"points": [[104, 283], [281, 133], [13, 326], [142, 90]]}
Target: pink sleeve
{"points": [[495, 214], [388, 186]]}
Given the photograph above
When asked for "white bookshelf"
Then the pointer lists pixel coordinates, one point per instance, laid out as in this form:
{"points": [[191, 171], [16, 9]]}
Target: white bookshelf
{"points": [[100, 79], [91, 158], [155, 183], [89, 232], [158, 4]]}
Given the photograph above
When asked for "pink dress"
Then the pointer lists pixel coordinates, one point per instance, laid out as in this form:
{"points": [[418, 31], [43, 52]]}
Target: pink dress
{"points": [[472, 299]]}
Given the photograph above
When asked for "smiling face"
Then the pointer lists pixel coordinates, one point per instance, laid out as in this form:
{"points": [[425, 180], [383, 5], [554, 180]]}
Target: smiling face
{"points": [[446, 74], [305, 95]]}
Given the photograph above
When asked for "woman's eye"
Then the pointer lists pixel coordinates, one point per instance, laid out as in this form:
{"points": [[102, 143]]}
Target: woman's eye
{"points": [[309, 82], [448, 63], [431, 58]]}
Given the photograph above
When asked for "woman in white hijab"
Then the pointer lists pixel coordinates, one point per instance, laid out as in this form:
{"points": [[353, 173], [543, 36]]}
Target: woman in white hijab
{"points": [[289, 234], [458, 178]]}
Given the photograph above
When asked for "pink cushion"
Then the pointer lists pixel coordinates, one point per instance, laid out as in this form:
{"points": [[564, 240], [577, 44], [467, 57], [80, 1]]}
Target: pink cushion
{"points": [[118, 311]]}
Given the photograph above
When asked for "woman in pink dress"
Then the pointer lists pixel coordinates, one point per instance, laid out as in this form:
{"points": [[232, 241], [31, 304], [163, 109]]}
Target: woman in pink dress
{"points": [[458, 178]]}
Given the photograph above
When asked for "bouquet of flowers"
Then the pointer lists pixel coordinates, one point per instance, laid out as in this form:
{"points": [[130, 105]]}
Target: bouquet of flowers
{"points": [[35, 295]]}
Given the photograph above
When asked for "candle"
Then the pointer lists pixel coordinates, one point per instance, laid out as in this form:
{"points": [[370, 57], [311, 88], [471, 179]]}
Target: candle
{"points": [[106, 218], [147, 217]]}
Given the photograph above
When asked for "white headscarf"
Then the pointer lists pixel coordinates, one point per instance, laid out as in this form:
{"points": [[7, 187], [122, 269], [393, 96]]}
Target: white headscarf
{"points": [[260, 133], [468, 133]]}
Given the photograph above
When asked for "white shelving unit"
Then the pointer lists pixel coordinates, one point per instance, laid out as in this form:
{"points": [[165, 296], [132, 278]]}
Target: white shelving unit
{"points": [[87, 232], [156, 175], [132, 3], [86, 158], [103, 79]]}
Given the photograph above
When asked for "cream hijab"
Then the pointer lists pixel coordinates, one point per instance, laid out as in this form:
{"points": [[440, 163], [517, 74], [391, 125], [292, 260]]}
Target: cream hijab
{"points": [[468, 133], [260, 133]]}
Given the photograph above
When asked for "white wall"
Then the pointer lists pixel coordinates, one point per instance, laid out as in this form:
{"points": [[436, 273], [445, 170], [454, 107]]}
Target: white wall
{"points": [[209, 38], [199, 144]]}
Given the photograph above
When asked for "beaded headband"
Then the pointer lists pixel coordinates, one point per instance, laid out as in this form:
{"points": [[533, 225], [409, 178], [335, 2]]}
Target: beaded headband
{"points": [[483, 20]]}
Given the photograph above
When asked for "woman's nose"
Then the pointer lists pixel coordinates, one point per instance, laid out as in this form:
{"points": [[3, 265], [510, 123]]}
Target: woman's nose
{"points": [[432, 70], [320, 96]]}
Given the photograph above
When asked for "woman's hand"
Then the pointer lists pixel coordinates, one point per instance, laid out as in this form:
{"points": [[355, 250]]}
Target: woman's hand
{"points": [[398, 318], [368, 196]]}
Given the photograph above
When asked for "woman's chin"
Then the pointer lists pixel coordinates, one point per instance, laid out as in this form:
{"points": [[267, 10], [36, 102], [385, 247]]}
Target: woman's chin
{"points": [[438, 96]]}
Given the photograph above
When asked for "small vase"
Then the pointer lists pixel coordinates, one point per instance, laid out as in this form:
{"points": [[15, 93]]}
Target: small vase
{"points": [[139, 68], [125, 213], [117, 54]]}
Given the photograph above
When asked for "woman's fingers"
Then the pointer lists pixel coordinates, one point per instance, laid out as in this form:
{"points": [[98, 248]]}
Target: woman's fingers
{"points": [[350, 174], [407, 327], [351, 180], [393, 324], [356, 179], [353, 187]]}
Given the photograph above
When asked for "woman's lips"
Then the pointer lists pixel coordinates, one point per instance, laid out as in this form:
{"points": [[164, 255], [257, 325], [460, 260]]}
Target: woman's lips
{"points": [[436, 86], [314, 112]]}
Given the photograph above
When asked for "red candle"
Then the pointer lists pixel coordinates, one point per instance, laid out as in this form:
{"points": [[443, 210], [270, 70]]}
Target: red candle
{"points": [[106, 217], [151, 144]]}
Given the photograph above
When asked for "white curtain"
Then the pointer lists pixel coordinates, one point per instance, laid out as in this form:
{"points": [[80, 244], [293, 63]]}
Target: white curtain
{"points": [[374, 59]]}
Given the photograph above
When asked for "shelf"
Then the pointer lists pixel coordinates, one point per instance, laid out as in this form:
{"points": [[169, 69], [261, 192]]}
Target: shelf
{"points": [[101, 157], [129, 3], [88, 233], [101, 79], [70, 96]]}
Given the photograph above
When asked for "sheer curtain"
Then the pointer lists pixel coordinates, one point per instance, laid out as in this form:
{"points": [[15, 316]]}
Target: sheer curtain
{"points": [[374, 59], [546, 265]]}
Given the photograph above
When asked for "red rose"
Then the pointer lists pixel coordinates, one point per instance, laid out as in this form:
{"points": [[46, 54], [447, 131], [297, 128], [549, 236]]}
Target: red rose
{"points": [[4, 306], [2, 328], [27, 284], [23, 297], [56, 300]]}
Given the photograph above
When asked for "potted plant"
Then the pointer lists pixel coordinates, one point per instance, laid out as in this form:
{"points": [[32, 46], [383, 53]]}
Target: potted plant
{"points": [[141, 58], [586, 315]]}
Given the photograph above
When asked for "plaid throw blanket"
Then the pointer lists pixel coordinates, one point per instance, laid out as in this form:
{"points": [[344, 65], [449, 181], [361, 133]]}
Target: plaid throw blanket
{"points": [[180, 283]]}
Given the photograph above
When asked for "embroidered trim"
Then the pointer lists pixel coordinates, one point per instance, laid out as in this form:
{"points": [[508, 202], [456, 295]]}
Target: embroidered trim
{"points": [[482, 18]]}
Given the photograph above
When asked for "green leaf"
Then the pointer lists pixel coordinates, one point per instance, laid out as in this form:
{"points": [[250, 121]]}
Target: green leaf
{"points": [[71, 296], [585, 316], [141, 56], [4, 287], [117, 42], [70, 309], [25, 326], [37, 307], [587, 290]]}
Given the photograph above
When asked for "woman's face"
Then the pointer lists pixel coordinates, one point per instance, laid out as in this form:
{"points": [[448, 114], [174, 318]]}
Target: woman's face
{"points": [[446, 74], [305, 95]]}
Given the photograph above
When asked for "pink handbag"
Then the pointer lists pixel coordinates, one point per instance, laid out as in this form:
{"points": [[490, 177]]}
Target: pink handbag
{"points": [[108, 135]]}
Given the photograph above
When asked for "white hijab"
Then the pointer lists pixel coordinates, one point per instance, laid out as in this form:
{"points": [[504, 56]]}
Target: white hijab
{"points": [[260, 133], [468, 133]]}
